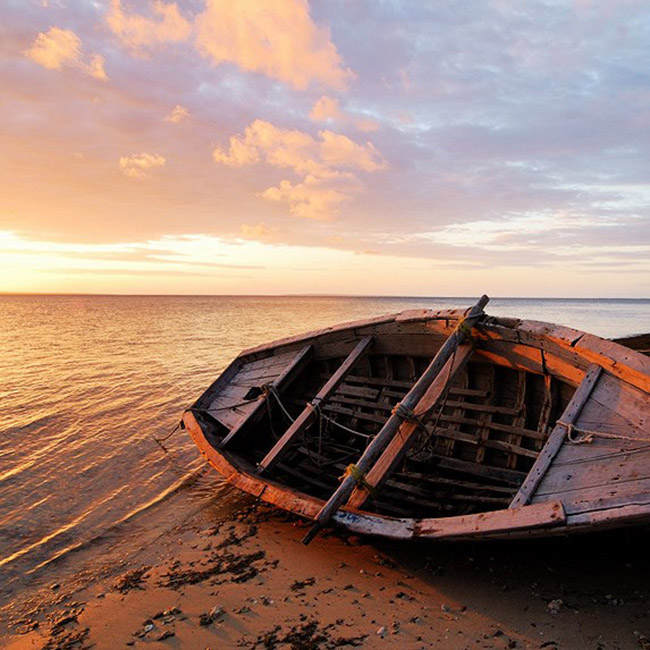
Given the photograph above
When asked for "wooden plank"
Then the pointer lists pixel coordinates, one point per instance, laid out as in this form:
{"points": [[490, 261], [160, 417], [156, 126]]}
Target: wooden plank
{"points": [[389, 430], [496, 521], [394, 452], [484, 408], [309, 413], [496, 426], [557, 437], [596, 417], [634, 492], [370, 417], [622, 515], [470, 439], [299, 361], [525, 357], [507, 476], [597, 473]]}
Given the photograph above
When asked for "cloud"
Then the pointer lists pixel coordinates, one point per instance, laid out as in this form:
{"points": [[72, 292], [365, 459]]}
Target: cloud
{"points": [[328, 154], [326, 165], [139, 165], [58, 48], [327, 109], [278, 39], [178, 114], [167, 25], [259, 232], [312, 199]]}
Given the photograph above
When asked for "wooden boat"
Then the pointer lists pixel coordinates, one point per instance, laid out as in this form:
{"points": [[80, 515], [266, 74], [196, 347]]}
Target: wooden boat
{"points": [[437, 424]]}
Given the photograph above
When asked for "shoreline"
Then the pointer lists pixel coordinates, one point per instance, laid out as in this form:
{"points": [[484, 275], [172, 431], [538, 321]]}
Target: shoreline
{"points": [[235, 574]]}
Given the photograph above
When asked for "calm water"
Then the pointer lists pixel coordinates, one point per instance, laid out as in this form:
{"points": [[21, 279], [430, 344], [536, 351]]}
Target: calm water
{"points": [[87, 382]]}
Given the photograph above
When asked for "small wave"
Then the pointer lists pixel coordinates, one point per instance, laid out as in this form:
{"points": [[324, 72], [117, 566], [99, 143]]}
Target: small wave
{"points": [[182, 483]]}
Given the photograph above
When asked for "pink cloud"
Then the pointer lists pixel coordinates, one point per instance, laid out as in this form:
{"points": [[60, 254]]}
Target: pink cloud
{"points": [[278, 39], [140, 165], [327, 109], [136, 31], [326, 165], [59, 48]]}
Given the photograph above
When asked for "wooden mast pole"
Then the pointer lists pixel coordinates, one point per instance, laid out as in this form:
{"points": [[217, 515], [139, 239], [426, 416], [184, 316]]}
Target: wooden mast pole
{"points": [[401, 413]]}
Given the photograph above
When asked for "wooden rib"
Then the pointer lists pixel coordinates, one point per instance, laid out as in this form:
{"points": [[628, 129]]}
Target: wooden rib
{"points": [[395, 450], [299, 361], [557, 437], [308, 414], [457, 408], [520, 419], [485, 419]]}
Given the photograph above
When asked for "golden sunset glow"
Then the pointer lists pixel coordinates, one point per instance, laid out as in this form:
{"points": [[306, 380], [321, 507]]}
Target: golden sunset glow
{"points": [[297, 147]]}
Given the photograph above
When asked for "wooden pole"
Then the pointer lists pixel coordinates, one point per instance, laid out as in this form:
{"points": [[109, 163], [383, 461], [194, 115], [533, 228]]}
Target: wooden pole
{"points": [[392, 425]]}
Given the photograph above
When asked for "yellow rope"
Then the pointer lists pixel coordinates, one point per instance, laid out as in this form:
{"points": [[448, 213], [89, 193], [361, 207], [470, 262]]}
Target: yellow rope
{"points": [[464, 328], [359, 476]]}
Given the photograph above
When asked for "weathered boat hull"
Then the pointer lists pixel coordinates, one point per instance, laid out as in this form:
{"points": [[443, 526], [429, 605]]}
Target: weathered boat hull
{"points": [[496, 456]]}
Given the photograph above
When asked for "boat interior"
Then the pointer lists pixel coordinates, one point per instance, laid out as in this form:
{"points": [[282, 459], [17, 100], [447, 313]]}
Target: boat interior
{"points": [[469, 454]]}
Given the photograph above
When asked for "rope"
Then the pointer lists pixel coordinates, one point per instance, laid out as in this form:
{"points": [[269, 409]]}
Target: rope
{"points": [[359, 476], [464, 328], [342, 426], [404, 412], [169, 435], [270, 389], [586, 436]]}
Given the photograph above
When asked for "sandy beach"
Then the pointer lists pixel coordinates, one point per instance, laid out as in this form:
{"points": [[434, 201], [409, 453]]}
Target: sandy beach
{"points": [[244, 580]]}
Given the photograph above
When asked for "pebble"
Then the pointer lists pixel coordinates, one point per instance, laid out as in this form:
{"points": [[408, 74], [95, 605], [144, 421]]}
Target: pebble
{"points": [[381, 631], [555, 606]]}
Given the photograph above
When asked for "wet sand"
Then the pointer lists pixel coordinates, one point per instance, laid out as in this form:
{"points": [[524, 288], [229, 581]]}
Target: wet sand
{"points": [[244, 580]]}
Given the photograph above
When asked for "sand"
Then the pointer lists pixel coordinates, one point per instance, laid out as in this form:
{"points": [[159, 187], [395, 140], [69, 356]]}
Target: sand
{"points": [[244, 580]]}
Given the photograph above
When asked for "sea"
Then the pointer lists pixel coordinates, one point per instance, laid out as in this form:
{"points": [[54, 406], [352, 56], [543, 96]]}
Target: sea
{"points": [[90, 386]]}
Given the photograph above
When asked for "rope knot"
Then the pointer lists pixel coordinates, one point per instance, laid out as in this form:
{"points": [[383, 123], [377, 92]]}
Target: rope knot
{"points": [[404, 412], [359, 476], [464, 328], [575, 436]]}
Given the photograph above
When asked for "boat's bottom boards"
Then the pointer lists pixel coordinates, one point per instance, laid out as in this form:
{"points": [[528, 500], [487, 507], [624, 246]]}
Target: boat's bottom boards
{"points": [[494, 456]]}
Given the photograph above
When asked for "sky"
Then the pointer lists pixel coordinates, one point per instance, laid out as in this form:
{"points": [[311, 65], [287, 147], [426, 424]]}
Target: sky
{"points": [[366, 147]]}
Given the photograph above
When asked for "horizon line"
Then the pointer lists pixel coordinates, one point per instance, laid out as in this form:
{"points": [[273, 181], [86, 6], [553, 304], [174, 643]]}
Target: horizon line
{"points": [[306, 295]]}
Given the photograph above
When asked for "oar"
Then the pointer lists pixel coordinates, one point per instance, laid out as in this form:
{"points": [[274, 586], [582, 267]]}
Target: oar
{"points": [[400, 413]]}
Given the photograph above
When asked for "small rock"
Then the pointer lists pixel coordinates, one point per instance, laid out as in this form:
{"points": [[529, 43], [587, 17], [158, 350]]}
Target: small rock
{"points": [[381, 631], [172, 611], [555, 606], [166, 635], [55, 586], [148, 626], [445, 608]]}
